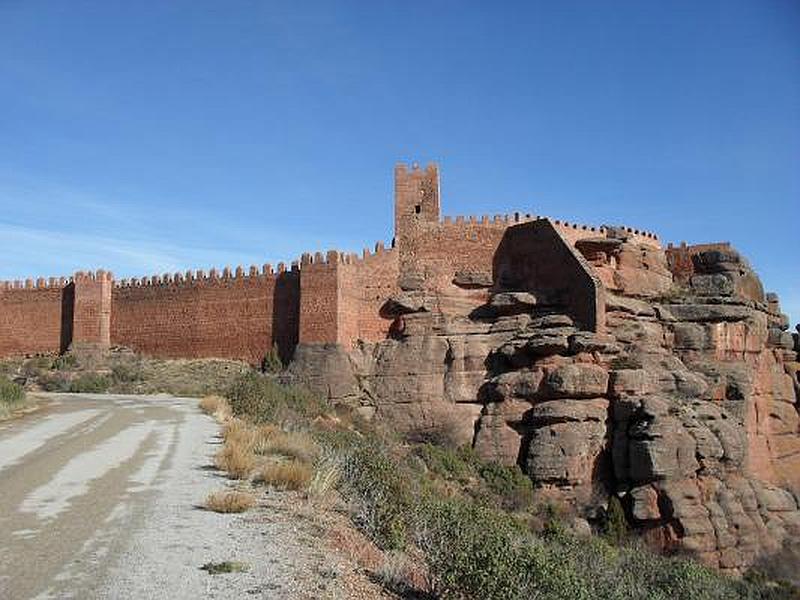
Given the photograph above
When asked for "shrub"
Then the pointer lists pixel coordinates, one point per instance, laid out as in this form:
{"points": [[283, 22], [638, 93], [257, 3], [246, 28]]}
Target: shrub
{"points": [[230, 501], [54, 382], [457, 465], [262, 400], [34, 367], [226, 566], [473, 551], [509, 484], [326, 476], [65, 362], [272, 363], [381, 490], [11, 394], [397, 573], [215, 406], [126, 373], [286, 475], [615, 528], [236, 459], [90, 383], [292, 444]]}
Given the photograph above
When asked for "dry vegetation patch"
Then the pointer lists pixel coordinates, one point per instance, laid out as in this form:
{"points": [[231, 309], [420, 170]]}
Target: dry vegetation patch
{"points": [[230, 501], [286, 475], [217, 407], [236, 459], [298, 445]]}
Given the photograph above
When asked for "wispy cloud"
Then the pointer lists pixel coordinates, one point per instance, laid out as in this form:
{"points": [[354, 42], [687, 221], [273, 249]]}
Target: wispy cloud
{"points": [[56, 230], [31, 252]]}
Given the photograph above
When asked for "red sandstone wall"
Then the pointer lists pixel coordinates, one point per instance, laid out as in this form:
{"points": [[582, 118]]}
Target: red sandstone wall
{"points": [[30, 320], [439, 250], [537, 257], [319, 298], [91, 323], [365, 285], [226, 317]]}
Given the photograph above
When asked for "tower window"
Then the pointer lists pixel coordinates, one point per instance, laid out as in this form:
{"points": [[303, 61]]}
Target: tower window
{"points": [[417, 209]]}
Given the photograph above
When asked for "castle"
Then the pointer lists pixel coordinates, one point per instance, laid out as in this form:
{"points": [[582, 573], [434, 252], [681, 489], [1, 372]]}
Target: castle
{"points": [[593, 358], [241, 314]]}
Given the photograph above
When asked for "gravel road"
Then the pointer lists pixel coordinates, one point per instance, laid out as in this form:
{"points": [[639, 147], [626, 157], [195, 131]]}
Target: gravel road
{"points": [[99, 498]]}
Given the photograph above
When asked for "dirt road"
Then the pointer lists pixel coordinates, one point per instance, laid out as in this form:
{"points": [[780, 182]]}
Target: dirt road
{"points": [[98, 499]]}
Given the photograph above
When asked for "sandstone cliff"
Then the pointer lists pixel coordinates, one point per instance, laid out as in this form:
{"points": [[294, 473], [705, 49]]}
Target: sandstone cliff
{"points": [[675, 390]]}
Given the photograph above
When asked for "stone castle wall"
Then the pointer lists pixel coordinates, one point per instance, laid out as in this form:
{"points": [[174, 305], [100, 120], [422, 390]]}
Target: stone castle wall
{"points": [[242, 314], [30, 318]]}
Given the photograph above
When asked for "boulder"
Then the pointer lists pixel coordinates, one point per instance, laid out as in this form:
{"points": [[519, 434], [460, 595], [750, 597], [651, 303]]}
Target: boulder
{"points": [[519, 384], [709, 313], [565, 411], [628, 382], [565, 452], [404, 303], [645, 503], [587, 341], [473, 279], [582, 380], [555, 321], [715, 284], [510, 303]]}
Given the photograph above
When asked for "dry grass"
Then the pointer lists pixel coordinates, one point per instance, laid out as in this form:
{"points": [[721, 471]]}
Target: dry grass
{"points": [[288, 475], [263, 437], [217, 407], [236, 457], [230, 501], [401, 574], [294, 444], [239, 433]]}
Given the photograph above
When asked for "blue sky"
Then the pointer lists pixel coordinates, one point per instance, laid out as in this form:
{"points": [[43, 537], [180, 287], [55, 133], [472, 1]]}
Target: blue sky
{"points": [[148, 137]]}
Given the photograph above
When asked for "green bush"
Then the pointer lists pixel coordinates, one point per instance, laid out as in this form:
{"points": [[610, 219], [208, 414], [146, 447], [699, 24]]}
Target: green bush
{"points": [[65, 362], [381, 490], [262, 399], [509, 484], [126, 373], [615, 528], [473, 551], [53, 382], [90, 383], [11, 394], [456, 465]]}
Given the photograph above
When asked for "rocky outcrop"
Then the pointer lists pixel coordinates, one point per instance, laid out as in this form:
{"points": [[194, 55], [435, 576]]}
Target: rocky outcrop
{"points": [[683, 402]]}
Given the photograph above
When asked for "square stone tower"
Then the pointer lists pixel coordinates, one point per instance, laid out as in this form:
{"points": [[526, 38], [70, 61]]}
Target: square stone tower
{"points": [[416, 200]]}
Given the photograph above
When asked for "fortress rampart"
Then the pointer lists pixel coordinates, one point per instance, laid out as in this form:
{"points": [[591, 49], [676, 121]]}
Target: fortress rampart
{"points": [[241, 313]]}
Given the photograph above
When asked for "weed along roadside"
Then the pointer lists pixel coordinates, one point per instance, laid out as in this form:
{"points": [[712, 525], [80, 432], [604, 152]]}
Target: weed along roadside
{"points": [[12, 398], [434, 520]]}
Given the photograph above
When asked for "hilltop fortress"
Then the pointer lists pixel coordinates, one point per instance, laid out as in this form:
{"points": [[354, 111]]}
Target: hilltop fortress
{"points": [[241, 313], [597, 360]]}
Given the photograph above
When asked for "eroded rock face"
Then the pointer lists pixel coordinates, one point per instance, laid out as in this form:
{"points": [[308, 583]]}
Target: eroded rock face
{"points": [[685, 405]]}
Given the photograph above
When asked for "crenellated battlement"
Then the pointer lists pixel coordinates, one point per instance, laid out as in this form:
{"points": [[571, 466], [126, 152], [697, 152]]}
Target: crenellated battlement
{"points": [[200, 277], [41, 283], [507, 220]]}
